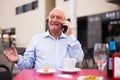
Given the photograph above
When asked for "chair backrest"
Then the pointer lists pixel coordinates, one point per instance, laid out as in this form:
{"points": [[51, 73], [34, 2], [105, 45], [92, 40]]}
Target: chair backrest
{"points": [[5, 74], [21, 50]]}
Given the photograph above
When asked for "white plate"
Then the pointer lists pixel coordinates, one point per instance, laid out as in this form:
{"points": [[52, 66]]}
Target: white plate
{"points": [[70, 70], [50, 71], [82, 77]]}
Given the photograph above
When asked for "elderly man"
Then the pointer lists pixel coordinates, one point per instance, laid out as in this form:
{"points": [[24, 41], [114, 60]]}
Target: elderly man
{"points": [[49, 48]]}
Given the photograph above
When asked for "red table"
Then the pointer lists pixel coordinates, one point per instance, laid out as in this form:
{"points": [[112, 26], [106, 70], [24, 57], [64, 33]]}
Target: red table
{"points": [[31, 74]]}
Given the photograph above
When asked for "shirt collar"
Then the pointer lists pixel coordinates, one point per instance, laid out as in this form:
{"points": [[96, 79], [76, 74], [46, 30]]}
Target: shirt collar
{"points": [[62, 36]]}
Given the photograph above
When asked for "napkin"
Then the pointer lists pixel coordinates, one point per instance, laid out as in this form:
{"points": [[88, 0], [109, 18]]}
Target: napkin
{"points": [[68, 76], [117, 67]]}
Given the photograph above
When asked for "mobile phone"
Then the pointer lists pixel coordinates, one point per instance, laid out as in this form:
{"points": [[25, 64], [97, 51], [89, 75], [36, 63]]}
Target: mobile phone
{"points": [[64, 28]]}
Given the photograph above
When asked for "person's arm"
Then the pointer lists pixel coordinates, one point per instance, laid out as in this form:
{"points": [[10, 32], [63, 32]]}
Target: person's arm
{"points": [[75, 49], [28, 59]]}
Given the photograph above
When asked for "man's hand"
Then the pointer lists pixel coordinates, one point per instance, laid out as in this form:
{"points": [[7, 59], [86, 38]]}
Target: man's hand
{"points": [[69, 29], [12, 54]]}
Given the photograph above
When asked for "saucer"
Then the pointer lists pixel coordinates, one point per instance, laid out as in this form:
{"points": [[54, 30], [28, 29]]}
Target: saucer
{"points": [[50, 71], [70, 70]]}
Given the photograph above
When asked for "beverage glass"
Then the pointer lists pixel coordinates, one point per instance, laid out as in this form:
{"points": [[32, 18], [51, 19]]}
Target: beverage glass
{"points": [[100, 56]]}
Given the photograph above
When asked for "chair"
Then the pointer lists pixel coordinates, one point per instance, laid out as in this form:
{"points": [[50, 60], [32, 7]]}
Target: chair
{"points": [[21, 50], [88, 62], [5, 73]]}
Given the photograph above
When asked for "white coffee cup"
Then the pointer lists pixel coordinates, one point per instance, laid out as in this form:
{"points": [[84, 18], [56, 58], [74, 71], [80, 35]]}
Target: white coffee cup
{"points": [[69, 63]]}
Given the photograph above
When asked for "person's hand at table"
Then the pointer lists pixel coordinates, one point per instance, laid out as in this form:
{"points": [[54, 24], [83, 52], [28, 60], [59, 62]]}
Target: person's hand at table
{"points": [[11, 54]]}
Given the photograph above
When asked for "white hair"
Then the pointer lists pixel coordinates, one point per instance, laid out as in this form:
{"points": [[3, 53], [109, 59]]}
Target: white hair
{"points": [[57, 9]]}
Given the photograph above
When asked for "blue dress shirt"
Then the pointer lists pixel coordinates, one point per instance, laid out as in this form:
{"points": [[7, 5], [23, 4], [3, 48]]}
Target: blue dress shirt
{"points": [[45, 50]]}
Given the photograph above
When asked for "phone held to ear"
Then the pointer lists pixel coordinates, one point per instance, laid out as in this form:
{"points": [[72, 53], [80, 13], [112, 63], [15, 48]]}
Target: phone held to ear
{"points": [[65, 28]]}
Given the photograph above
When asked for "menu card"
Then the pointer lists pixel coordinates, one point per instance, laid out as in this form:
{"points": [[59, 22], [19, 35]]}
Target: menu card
{"points": [[117, 67]]}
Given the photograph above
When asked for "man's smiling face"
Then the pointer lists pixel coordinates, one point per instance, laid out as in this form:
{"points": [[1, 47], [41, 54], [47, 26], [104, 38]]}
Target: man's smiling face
{"points": [[56, 17]]}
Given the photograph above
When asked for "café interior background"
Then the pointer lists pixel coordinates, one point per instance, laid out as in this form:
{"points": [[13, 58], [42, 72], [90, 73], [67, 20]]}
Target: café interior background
{"points": [[20, 20]]}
